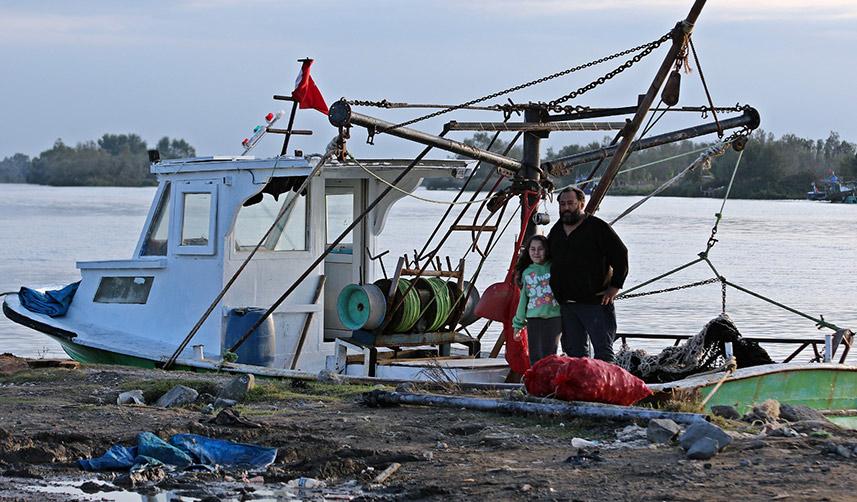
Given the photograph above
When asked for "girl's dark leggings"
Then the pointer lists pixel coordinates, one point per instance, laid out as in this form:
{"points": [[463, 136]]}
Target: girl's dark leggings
{"points": [[543, 337]]}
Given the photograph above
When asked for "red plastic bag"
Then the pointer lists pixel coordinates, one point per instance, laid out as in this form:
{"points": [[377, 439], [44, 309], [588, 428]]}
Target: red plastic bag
{"points": [[517, 351], [539, 378], [584, 379]]}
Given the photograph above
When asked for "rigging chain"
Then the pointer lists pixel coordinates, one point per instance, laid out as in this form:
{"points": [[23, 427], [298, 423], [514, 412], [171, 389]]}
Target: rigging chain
{"points": [[667, 290], [645, 49]]}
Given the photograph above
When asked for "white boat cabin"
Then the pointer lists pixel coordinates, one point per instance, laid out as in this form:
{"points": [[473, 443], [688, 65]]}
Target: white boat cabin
{"points": [[208, 214]]}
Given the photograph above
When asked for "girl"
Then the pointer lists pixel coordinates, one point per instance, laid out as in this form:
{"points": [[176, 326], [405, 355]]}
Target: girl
{"points": [[537, 308]]}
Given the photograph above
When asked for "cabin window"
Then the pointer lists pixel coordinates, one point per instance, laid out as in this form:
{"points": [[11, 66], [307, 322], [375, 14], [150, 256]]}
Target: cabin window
{"points": [[340, 214], [291, 232], [197, 211], [124, 290], [155, 243]]}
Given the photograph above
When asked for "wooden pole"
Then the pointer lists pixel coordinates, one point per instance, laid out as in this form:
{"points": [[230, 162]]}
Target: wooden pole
{"points": [[308, 321], [573, 409], [680, 32]]}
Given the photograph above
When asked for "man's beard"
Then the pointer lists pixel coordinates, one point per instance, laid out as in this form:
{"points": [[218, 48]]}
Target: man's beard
{"points": [[571, 217]]}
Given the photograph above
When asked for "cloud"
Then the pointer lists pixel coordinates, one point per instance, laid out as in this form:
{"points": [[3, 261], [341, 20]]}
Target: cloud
{"points": [[730, 10], [43, 28]]}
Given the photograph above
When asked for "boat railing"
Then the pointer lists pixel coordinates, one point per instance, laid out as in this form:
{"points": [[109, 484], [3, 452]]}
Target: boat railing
{"points": [[817, 345]]}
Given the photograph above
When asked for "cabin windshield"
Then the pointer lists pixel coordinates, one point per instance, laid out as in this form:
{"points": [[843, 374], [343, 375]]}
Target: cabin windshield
{"points": [[155, 243], [291, 231]]}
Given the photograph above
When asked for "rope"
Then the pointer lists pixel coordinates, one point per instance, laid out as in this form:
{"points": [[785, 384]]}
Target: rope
{"points": [[409, 194], [411, 306], [635, 168], [731, 366], [715, 150]]}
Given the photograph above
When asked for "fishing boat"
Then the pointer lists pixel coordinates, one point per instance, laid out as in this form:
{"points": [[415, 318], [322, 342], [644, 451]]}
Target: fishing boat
{"points": [[271, 266], [834, 189]]}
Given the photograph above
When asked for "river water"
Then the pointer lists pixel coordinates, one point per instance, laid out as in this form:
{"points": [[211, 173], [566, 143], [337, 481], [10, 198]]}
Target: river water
{"points": [[799, 253]]}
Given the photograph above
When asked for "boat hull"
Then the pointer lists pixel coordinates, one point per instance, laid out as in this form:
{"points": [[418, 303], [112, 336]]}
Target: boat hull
{"points": [[828, 387]]}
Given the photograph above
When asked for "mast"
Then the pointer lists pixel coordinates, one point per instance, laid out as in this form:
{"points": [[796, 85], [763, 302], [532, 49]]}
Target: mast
{"points": [[679, 35], [530, 170]]}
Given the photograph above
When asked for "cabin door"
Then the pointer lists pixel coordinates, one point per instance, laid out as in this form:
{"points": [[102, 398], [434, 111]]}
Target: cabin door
{"points": [[343, 199]]}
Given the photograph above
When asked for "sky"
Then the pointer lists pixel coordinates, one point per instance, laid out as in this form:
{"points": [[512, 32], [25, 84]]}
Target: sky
{"points": [[205, 70]]}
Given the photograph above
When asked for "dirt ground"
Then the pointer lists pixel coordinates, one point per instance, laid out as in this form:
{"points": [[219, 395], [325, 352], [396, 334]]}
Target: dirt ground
{"points": [[49, 418]]}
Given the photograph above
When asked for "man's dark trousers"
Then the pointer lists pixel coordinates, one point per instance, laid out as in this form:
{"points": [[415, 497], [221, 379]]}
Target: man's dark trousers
{"points": [[582, 322]]}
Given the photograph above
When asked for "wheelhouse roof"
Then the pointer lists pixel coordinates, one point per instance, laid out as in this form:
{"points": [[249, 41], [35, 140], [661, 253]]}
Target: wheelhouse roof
{"points": [[245, 163]]}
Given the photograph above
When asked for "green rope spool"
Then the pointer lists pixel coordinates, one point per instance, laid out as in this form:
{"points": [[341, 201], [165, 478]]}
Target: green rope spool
{"points": [[411, 305], [408, 313], [442, 301]]}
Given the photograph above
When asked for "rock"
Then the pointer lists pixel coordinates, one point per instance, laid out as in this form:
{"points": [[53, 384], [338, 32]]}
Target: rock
{"points": [[700, 430], [230, 417], [725, 411], [177, 396], [208, 409], [223, 403], [237, 388], [630, 433], [768, 411], [843, 451], [131, 397], [662, 430], [327, 376], [703, 449], [745, 463], [799, 412]]}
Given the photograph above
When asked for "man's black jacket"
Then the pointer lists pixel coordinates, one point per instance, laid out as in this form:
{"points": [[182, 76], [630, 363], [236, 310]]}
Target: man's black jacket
{"points": [[587, 261]]}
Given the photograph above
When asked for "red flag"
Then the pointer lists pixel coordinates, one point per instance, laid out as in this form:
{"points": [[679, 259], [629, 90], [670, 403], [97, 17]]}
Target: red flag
{"points": [[306, 93]]}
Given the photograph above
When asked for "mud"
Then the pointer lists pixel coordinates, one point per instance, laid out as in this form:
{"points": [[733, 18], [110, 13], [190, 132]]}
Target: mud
{"points": [[51, 417]]}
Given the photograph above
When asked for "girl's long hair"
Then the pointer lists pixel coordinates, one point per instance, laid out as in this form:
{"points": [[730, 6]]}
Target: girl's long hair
{"points": [[524, 259]]}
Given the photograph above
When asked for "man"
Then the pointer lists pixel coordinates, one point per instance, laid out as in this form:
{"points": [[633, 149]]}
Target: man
{"points": [[589, 266]]}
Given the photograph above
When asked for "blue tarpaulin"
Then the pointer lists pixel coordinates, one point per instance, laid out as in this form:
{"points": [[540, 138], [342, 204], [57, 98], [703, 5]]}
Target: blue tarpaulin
{"points": [[212, 451], [53, 303], [182, 451]]}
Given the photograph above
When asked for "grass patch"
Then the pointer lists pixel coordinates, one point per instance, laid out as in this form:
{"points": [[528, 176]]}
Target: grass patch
{"points": [[285, 390], [153, 389], [45, 375], [11, 400]]}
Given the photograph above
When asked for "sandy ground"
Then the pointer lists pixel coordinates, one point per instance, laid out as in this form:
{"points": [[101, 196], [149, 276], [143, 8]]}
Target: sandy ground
{"points": [[51, 417]]}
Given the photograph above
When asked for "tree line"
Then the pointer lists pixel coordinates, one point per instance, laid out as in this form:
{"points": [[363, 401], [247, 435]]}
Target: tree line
{"points": [[112, 160], [770, 168]]}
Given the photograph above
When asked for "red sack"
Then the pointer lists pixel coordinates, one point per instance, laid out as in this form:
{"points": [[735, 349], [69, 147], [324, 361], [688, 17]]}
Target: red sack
{"points": [[517, 351], [586, 379], [539, 379]]}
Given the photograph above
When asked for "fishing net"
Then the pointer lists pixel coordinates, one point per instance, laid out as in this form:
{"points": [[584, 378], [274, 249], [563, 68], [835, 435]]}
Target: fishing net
{"points": [[702, 352]]}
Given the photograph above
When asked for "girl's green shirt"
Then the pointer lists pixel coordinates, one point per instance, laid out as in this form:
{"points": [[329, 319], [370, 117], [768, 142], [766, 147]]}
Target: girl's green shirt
{"points": [[536, 296]]}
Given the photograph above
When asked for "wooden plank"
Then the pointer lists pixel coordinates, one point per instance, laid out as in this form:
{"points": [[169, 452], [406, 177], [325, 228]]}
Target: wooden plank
{"points": [[308, 321]]}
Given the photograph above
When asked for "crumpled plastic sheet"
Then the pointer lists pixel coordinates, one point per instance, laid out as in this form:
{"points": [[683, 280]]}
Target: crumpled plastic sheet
{"points": [[52, 303], [183, 451]]}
